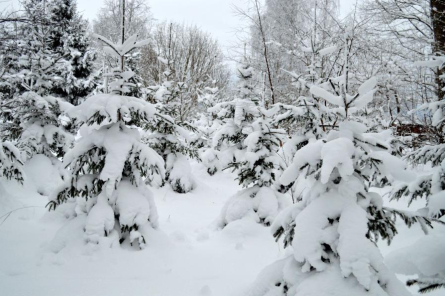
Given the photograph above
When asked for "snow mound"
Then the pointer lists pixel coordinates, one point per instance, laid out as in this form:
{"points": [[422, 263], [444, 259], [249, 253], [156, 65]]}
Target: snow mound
{"points": [[179, 173], [42, 173], [261, 204], [425, 257]]}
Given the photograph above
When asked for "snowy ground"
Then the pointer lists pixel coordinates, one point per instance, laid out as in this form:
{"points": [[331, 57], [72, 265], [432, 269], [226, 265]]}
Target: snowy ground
{"points": [[184, 257]]}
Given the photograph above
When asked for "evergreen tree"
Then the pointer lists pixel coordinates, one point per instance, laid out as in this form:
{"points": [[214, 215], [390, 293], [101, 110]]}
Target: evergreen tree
{"points": [[51, 55], [110, 163], [233, 116], [221, 118], [29, 62], [207, 127], [170, 136], [248, 144], [246, 83], [33, 122], [68, 39], [333, 229], [49, 67], [257, 171], [307, 118], [429, 186]]}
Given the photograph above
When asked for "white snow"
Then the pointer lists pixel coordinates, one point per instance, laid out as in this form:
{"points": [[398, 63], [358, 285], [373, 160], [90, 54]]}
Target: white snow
{"points": [[48, 252], [327, 50], [322, 93], [43, 174], [424, 257]]}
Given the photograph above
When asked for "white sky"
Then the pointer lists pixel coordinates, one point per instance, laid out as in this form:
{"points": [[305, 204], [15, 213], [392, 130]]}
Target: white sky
{"points": [[213, 16]]}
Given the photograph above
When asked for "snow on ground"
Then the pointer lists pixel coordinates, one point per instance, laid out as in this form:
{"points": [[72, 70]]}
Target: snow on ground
{"points": [[186, 256]]}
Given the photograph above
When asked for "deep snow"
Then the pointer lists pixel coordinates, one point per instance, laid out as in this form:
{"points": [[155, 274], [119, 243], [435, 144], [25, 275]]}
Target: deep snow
{"points": [[186, 256]]}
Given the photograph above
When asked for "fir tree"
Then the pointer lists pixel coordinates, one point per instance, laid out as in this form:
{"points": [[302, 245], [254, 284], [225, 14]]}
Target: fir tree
{"points": [[233, 116], [49, 67], [246, 83], [207, 127], [170, 135], [333, 229], [68, 38], [33, 122], [257, 171], [52, 53], [429, 186], [249, 145], [221, 118], [109, 164]]}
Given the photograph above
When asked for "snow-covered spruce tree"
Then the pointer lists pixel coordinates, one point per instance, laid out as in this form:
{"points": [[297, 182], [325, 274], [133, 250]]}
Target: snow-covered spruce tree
{"points": [[308, 117], [233, 117], [257, 171], [207, 127], [333, 229], [431, 186], [10, 162], [33, 123], [248, 144], [109, 164], [75, 77], [49, 65], [28, 62], [247, 88], [169, 135], [51, 54]]}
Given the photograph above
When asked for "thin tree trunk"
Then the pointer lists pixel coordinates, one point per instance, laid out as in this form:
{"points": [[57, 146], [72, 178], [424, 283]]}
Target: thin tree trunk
{"points": [[263, 37], [122, 32]]}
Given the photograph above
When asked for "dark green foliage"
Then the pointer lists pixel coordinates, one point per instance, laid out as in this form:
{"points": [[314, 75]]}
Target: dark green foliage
{"points": [[10, 162], [427, 284]]}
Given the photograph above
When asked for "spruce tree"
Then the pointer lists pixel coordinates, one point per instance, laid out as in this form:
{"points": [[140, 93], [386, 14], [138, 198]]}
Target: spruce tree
{"points": [[248, 144], [68, 39], [257, 170], [333, 229], [33, 123], [247, 88], [207, 126], [233, 116], [224, 117], [170, 136], [430, 187], [51, 54], [110, 164], [49, 68]]}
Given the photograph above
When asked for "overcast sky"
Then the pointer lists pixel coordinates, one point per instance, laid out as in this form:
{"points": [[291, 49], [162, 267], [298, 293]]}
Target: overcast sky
{"points": [[213, 16]]}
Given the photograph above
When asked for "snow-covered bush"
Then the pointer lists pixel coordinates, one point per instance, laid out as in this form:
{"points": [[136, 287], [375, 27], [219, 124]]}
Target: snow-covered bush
{"points": [[210, 158]]}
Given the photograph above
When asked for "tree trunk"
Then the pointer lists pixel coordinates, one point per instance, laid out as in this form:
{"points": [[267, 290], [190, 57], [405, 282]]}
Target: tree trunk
{"points": [[438, 22], [265, 54]]}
